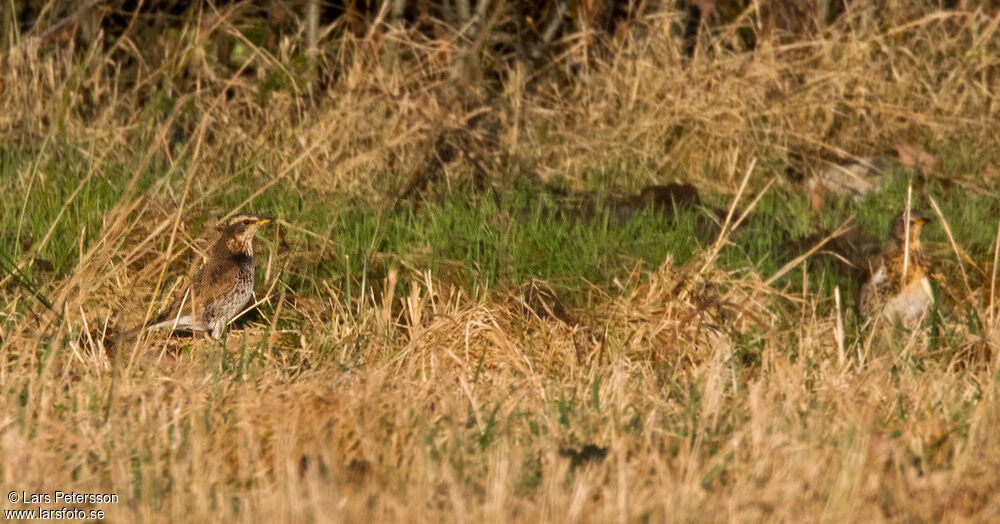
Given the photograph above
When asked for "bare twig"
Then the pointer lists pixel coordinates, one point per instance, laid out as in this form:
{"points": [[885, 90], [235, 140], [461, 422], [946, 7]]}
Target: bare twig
{"points": [[954, 246]]}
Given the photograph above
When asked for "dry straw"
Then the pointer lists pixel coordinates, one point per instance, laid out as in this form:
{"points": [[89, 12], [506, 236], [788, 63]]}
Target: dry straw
{"points": [[693, 393]]}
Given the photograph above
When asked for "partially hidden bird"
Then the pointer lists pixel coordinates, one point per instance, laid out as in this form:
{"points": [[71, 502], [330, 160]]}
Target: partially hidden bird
{"points": [[898, 287], [222, 288]]}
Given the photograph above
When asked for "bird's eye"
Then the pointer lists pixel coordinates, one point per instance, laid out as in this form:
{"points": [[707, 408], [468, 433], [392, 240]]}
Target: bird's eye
{"points": [[246, 222]]}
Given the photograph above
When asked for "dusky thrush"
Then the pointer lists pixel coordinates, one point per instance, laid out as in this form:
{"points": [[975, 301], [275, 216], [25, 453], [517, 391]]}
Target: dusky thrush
{"points": [[898, 287], [223, 286]]}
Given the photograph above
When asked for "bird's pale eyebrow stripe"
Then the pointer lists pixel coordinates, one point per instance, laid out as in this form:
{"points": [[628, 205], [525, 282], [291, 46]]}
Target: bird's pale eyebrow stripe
{"points": [[241, 217]]}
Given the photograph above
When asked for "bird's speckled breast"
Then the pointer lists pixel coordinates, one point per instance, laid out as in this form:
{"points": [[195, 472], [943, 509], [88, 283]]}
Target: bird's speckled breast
{"points": [[229, 305]]}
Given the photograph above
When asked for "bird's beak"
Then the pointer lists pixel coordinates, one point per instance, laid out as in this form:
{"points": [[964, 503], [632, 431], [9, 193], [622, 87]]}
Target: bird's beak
{"points": [[263, 221], [922, 221]]}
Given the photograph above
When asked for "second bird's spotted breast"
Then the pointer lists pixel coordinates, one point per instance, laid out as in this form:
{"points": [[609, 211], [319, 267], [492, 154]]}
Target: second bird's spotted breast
{"points": [[911, 301]]}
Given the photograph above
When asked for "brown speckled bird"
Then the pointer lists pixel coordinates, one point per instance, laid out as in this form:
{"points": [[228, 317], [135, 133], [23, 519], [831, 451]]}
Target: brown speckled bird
{"points": [[222, 287], [899, 296]]}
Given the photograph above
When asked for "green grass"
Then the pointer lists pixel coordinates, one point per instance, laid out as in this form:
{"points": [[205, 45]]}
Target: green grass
{"points": [[477, 240]]}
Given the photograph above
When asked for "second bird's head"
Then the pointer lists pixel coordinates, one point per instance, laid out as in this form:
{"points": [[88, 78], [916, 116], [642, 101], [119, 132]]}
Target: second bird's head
{"points": [[916, 224], [238, 232]]}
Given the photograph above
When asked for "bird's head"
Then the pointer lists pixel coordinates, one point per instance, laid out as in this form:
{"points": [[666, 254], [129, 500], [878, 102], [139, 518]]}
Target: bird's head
{"points": [[239, 230], [916, 224]]}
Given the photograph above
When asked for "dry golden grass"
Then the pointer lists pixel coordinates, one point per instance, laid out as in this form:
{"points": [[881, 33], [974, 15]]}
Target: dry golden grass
{"points": [[688, 393]]}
